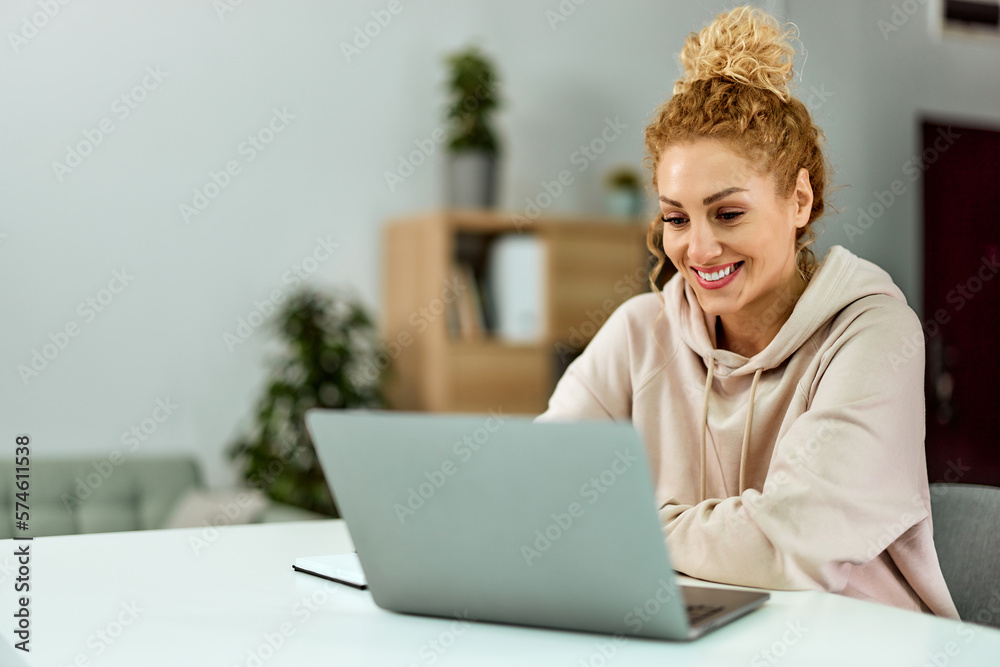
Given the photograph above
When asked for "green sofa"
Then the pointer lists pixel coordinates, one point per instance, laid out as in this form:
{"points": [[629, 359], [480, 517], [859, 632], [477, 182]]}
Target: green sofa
{"points": [[90, 495]]}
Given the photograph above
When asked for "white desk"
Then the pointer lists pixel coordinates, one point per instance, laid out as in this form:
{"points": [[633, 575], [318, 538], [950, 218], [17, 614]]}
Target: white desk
{"points": [[159, 603]]}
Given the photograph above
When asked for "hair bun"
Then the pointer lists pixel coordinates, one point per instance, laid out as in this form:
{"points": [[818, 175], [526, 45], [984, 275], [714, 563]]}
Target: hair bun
{"points": [[745, 45]]}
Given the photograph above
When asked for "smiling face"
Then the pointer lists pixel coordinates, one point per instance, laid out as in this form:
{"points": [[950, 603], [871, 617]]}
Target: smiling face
{"points": [[726, 232]]}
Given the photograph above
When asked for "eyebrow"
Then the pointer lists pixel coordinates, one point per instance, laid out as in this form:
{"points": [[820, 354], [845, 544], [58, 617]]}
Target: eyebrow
{"points": [[707, 201]]}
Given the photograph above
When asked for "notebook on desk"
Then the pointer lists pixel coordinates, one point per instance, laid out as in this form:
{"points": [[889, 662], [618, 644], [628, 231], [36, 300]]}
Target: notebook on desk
{"points": [[342, 568], [497, 518]]}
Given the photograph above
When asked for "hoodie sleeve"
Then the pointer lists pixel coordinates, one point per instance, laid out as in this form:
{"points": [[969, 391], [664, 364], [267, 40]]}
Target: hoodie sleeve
{"points": [[846, 479], [597, 384]]}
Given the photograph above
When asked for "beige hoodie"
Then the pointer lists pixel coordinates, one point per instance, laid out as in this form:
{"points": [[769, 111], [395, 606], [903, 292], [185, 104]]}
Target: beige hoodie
{"points": [[799, 468]]}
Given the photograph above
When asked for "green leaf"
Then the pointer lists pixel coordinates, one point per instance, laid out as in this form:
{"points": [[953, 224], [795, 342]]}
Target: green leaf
{"points": [[316, 331]]}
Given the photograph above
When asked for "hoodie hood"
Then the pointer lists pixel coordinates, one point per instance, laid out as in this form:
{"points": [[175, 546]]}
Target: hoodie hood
{"points": [[840, 279]]}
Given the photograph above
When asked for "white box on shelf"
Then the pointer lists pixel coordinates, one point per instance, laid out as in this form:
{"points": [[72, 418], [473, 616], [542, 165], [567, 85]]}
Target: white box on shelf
{"points": [[516, 280]]}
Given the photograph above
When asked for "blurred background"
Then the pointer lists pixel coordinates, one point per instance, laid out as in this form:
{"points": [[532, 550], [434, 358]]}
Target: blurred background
{"points": [[174, 171]]}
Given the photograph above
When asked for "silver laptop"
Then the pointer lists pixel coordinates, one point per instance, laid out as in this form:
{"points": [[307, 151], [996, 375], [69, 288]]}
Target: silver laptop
{"points": [[497, 518]]}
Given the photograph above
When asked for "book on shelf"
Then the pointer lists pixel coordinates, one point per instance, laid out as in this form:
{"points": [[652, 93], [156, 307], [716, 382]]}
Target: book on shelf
{"points": [[466, 319]]}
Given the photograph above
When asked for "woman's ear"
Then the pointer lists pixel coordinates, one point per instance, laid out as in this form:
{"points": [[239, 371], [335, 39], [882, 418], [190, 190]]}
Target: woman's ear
{"points": [[803, 198]]}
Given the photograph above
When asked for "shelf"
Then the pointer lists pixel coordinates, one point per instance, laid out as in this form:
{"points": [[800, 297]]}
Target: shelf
{"points": [[494, 221], [591, 265], [497, 345]]}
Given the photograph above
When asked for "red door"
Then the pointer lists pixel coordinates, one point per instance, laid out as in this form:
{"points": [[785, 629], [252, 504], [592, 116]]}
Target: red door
{"points": [[961, 208]]}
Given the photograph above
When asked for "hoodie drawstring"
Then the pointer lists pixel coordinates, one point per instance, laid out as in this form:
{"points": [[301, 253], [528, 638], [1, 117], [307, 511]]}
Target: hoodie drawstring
{"points": [[704, 423], [746, 429]]}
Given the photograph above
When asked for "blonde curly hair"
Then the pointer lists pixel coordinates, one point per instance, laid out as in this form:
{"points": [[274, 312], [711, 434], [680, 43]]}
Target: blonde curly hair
{"points": [[736, 88]]}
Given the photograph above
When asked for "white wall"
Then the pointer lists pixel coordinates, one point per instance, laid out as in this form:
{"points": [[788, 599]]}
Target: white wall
{"points": [[884, 70], [323, 174]]}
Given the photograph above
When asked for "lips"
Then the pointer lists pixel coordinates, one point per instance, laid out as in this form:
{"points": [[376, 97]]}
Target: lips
{"points": [[719, 277]]}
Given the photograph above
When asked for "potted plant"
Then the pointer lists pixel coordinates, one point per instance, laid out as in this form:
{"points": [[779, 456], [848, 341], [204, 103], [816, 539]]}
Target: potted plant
{"points": [[328, 359], [623, 198], [473, 147]]}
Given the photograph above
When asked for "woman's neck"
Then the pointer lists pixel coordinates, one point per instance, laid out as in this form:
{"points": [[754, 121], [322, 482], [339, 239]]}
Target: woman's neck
{"points": [[750, 331]]}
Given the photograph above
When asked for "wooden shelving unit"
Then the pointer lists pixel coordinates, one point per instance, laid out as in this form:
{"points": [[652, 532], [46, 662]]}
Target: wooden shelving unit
{"points": [[591, 266]]}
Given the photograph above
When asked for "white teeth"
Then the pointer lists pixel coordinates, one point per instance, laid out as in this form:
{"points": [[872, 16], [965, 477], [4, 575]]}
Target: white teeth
{"points": [[712, 277]]}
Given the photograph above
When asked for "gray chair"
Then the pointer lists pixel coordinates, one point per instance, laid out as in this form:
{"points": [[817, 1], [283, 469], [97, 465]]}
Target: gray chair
{"points": [[966, 521]]}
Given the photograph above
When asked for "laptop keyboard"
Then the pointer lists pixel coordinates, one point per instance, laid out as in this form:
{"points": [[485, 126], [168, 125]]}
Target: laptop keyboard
{"points": [[699, 612]]}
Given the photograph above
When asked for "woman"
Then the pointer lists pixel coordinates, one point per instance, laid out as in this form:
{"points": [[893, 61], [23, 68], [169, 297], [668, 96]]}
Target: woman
{"points": [[784, 428]]}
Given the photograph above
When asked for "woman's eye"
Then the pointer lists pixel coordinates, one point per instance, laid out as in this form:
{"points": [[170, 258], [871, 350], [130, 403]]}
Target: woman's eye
{"points": [[678, 221]]}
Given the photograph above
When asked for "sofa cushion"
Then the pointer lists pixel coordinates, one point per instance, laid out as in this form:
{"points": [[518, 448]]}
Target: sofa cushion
{"points": [[83, 495], [200, 507]]}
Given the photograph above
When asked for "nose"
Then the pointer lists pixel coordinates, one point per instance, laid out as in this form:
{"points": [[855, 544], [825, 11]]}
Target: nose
{"points": [[703, 246]]}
